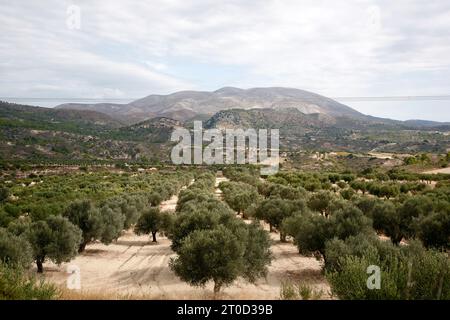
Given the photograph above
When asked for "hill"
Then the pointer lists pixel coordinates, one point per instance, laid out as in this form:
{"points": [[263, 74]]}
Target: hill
{"points": [[184, 105], [16, 115], [38, 134], [317, 131]]}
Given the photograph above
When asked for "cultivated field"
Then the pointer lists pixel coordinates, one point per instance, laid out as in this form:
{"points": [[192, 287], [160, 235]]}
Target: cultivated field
{"points": [[134, 267]]}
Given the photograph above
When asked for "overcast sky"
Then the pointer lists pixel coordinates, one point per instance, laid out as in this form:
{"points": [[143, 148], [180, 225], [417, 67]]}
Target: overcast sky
{"points": [[130, 49]]}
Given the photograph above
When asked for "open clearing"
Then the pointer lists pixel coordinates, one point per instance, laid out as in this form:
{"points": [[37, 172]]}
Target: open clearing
{"points": [[134, 267], [443, 170]]}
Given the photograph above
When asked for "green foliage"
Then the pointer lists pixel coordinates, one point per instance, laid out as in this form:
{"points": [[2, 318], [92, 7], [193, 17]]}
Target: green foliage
{"points": [[16, 285], [223, 254], [434, 229], [359, 185], [199, 217], [129, 206], [408, 272], [151, 221], [246, 175], [155, 199], [238, 195], [257, 252], [413, 208], [275, 210], [387, 219], [86, 217], [276, 190], [321, 202], [366, 204], [311, 230], [112, 222], [347, 194], [54, 238], [14, 250], [219, 254], [289, 291], [4, 194], [349, 221]]}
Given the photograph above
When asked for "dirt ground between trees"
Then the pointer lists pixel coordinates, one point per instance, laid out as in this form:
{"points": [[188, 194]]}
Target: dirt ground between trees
{"points": [[135, 268], [443, 170]]}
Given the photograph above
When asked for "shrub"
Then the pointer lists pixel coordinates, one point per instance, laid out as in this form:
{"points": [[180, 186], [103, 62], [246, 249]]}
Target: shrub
{"points": [[15, 285], [289, 291], [347, 194], [409, 272], [4, 194]]}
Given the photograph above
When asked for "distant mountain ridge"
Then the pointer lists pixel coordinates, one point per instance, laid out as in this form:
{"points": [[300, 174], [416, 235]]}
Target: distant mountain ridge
{"points": [[184, 105], [31, 116], [46, 134]]}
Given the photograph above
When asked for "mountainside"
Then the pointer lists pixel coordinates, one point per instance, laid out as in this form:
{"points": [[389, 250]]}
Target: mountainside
{"points": [[64, 135], [44, 134], [291, 118], [299, 131], [12, 114], [184, 105]]}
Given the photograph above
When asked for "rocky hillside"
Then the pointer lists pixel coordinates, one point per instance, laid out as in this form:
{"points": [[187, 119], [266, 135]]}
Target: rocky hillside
{"points": [[184, 105]]}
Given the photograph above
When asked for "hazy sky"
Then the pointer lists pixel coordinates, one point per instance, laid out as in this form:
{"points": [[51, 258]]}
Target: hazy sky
{"points": [[129, 49]]}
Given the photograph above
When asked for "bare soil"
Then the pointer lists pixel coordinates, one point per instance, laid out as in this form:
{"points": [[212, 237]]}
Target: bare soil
{"points": [[134, 267]]}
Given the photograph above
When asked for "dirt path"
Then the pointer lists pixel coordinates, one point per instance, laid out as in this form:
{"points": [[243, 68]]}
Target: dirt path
{"points": [[287, 265], [134, 267], [443, 170]]}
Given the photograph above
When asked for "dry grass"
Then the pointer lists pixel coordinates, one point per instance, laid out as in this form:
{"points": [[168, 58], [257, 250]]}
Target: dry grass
{"points": [[66, 294]]}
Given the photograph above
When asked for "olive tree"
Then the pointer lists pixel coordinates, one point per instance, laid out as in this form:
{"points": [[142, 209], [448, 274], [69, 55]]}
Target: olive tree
{"points": [[14, 250], [55, 238], [350, 221], [434, 230], [151, 221], [155, 199], [209, 255], [222, 255], [275, 210], [321, 201], [199, 217], [239, 196], [112, 223], [86, 217], [387, 219], [314, 230], [4, 194]]}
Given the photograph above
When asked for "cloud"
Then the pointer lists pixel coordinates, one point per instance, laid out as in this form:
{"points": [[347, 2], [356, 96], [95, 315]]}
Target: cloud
{"points": [[134, 48]]}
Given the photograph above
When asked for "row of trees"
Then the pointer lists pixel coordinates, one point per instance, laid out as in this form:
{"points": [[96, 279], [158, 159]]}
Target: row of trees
{"points": [[388, 190], [211, 243], [341, 228], [424, 215], [59, 237]]}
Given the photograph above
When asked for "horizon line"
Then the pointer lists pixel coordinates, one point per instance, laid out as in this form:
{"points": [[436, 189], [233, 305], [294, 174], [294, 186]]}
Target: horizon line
{"points": [[345, 98]]}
